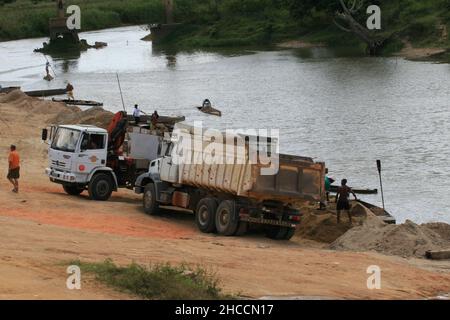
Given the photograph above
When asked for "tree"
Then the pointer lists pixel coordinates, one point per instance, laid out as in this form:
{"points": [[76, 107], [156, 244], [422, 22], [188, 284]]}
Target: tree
{"points": [[346, 19], [347, 15]]}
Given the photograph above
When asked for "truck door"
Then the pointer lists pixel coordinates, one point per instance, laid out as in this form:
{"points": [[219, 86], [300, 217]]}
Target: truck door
{"points": [[169, 170], [92, 152]]}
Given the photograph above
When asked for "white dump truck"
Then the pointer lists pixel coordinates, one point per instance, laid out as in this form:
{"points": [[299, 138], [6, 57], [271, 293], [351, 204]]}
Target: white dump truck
{"points": [[227, 197], [83, 157]]}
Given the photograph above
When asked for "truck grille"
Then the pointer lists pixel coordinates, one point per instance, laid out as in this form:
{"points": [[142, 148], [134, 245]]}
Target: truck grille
{"points": [[57, 163]]}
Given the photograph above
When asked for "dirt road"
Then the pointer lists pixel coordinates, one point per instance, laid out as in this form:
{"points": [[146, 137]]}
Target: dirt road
{"points": [[42, 229]]}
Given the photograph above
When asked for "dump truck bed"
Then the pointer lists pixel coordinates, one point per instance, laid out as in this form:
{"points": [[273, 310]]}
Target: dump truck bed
{"points": [[298, 178]]}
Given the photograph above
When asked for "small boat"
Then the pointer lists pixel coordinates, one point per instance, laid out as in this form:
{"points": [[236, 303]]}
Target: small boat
{"points": [[379, 212], [80, 102], [334, 189], [210, 110], [207, 108], [46, 93], [8, 89]]}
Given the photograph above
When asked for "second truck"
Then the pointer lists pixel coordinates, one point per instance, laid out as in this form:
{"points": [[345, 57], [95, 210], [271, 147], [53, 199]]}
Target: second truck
{"points": [[227, 198]]}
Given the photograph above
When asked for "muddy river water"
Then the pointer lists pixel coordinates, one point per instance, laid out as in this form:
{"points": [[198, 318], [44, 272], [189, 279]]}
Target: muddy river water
{"points": [[344, 109]]}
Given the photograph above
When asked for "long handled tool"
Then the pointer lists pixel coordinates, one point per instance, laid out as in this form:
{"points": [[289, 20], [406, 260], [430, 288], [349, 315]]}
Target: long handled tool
{"points": [[381, 182], [121, 95]]}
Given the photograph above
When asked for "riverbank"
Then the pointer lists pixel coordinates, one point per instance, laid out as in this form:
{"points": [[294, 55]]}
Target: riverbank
{"points": [[43, 229], [243, 24]]}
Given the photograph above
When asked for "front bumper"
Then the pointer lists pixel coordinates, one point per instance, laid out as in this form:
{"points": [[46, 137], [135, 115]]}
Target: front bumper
{"points": [[60, 176]]}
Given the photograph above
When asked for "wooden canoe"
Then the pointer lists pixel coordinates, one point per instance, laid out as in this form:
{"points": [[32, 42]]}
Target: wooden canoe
{"points": [[46, 93], [80, 102], [211, 111], [334, 189], [9, 89]]}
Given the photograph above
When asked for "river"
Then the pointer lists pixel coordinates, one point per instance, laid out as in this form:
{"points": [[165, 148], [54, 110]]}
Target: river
{"points": [[343, 109]]}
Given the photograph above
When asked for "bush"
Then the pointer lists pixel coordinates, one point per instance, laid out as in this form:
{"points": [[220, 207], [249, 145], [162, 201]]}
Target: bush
{"points": [[161, 281]]}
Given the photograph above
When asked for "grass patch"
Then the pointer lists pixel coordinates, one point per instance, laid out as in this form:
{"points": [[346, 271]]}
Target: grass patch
{"points": [[157, 282]]}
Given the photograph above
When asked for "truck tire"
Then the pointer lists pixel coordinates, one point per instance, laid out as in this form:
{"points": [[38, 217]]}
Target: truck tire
{"points": [[276, 232], [205, 215], [280, 233], [227, 220], [151, 206], [290, 233], [242, 228], [101, 187], [73, 190]]}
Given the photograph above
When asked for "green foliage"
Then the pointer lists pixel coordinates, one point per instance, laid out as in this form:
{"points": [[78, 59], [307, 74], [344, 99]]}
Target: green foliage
{"points": [[213, 23], [29, 18], [161, 281]]}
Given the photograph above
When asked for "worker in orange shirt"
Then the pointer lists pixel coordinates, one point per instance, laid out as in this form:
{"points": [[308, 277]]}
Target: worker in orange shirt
{"points": [[14, 168]]}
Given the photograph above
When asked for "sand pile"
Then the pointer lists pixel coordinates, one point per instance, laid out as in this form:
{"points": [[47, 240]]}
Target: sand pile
{"points": [[322, 226], [96, 116], [32, 105], [405, 240], [57, 112]]}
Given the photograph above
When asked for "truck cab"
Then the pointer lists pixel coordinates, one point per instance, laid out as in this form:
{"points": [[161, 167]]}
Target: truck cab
{"points": [[78, 160]]}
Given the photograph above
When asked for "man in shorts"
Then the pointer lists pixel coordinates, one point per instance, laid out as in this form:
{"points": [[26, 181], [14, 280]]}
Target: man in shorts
{"points": [[14, 168], [342, 200]]}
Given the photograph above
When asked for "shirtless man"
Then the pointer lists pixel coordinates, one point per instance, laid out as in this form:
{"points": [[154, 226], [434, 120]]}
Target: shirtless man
{"points": [[342, 200]]}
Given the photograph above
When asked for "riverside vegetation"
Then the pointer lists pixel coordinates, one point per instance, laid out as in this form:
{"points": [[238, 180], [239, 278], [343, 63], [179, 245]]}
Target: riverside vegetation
{"points": [[227, 23]]}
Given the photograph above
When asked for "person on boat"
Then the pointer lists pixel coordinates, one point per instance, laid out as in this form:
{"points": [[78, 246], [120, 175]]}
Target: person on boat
{"points": [[69, 89], [154, 119], [137, 114], [342, 200], [14, 168], [206, 104]]}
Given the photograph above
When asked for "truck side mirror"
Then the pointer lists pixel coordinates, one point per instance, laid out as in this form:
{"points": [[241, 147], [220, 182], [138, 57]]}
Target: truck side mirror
{"points": [[44, 134]]}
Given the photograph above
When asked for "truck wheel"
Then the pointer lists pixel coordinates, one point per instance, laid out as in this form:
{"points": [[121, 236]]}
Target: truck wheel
{"points": [[73, 190], [242, 228], [276, 233], [205, 215], [101, 187], [289, 233], [226, 218], [280, 233], [151, 206]]}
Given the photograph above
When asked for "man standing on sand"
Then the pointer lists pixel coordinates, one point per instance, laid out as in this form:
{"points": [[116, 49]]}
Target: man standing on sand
{"points": [[14, 168], [342, 200], [69, 89]]}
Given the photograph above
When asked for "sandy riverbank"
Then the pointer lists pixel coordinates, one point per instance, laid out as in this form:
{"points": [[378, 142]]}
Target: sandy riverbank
{"points": [[408, 51], [42, 228]]}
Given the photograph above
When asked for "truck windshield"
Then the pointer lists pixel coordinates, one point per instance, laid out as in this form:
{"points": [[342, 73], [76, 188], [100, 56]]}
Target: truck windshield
{"points": [[66, 139]]}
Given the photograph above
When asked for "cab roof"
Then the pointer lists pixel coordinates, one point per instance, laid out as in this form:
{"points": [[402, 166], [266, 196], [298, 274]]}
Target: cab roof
{"points": [[84, 127]]}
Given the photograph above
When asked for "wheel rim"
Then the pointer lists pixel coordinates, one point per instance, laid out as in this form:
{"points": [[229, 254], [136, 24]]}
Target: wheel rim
{"points": [[102, 188], [148, 199], [224, 217], [203, 215]]}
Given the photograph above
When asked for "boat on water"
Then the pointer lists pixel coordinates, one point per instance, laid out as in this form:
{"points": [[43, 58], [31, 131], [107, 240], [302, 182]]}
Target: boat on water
{"points": [[334, 189], [80, 102], [8, 89], [208, 109], [211, 111], [46, 93]]}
